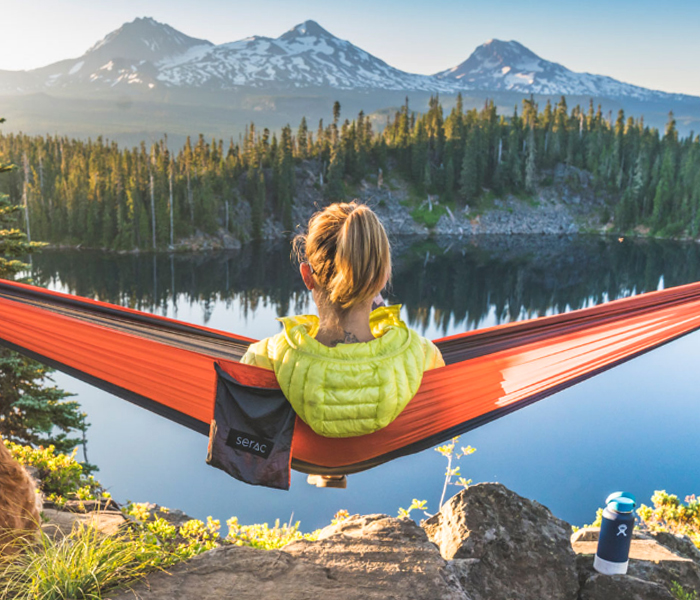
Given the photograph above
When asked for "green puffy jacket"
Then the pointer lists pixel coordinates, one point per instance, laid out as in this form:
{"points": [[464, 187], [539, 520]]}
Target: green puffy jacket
{"points": [[350, 389]]}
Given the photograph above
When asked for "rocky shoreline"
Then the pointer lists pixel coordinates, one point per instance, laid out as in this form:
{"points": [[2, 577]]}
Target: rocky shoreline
{"points": [[486, 543]]}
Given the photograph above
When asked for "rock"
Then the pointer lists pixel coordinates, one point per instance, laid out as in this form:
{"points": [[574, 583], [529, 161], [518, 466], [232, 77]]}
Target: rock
{"points": [[173, 516], [234, 573], [381, 557], [372, 557], [508, 546], [680, 544], [230, 242], [650, 562], [640, 549], [622, 587], [62, 522], [486, 543], [585, 534], [591, 534]]}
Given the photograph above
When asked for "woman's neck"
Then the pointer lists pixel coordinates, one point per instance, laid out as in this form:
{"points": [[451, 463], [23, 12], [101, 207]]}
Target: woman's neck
{"points": [[349, 327]]}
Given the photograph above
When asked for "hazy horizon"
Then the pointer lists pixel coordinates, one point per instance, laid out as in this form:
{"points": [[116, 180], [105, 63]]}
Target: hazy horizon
{"points": [[620, 39]]}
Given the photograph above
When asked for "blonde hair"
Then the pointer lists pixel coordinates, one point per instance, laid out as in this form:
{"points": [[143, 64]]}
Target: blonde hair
{"points": [[348, 251]]}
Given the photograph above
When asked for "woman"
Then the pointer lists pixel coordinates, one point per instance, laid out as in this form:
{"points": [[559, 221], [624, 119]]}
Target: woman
{"points": [[351, 370]]}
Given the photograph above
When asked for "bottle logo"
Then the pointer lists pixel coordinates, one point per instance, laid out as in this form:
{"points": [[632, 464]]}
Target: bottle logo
{"points": [[621, 530]]}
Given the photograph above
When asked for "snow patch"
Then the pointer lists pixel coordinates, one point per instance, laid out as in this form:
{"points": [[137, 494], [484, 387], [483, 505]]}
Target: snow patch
{"points": [[76, 67]]}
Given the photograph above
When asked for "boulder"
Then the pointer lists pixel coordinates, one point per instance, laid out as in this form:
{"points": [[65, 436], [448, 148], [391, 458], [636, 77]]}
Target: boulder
{"points": [[622, 587], [372, 557], [234, 573], [680, 544], [505, 546], [378, 556]]}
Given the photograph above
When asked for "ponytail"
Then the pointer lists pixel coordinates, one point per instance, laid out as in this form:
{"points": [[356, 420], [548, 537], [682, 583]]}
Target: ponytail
{"points": [[349, 253]]}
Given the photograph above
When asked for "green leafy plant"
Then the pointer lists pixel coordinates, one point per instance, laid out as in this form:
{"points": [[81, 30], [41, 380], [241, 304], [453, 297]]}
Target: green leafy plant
{"points": [[448, 451], [195, 536], [61, 476], [405, 513], [265, 537], [422, 214], [679, 592]]}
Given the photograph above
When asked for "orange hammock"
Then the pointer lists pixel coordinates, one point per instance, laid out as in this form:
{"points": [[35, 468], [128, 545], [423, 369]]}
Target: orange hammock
{"points": [[168, 366]]}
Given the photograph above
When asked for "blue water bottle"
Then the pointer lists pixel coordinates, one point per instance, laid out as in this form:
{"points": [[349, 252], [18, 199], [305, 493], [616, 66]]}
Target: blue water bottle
{"points": [[612, 555]]}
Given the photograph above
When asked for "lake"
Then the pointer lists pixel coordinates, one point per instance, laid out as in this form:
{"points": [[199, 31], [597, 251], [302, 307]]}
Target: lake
{"points": [[567, 451]]}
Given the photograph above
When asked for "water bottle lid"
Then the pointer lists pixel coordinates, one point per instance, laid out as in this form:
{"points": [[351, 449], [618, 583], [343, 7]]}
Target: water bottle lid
{"points": [[616, 495], [622, 505]]}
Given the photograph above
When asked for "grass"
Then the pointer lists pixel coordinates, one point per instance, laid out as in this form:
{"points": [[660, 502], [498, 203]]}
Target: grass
{"points": [[419, 207], [429, 218], [86, 564], [78, 567]]}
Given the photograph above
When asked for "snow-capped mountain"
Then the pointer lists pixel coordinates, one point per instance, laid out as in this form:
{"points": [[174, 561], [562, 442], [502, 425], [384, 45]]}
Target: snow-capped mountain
{"points": [[305, 56], [145, 55], [510, 66], [127, 56]]}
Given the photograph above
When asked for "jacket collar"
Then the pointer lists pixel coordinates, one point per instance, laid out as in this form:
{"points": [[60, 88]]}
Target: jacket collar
{"points": [[301, 330]]}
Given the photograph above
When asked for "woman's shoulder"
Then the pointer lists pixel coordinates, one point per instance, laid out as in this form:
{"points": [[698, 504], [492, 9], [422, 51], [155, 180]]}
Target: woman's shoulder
{"points": [[386, 317], [432, 354]]}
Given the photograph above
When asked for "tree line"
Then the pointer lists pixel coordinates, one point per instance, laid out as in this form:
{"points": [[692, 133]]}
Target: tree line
{"points": [[95, 193]]}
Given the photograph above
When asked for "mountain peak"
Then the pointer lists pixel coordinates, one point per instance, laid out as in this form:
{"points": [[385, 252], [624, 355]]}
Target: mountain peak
{"points": [[506, 53], [144, 38], [307, 28]]}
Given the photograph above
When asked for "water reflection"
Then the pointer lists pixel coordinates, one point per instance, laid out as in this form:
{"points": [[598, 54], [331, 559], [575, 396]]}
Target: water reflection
{"points": [[444, 288]]}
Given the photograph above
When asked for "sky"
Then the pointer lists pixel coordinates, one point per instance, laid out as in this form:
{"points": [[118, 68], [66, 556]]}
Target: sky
{"points": [[649, 43]]}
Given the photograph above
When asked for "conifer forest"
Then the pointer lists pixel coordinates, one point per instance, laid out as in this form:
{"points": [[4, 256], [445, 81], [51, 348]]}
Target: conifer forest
{"points": [[101, 195]]}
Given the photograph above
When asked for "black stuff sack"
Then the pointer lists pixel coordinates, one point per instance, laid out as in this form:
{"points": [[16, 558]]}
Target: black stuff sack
{"points": [[251, 435]]}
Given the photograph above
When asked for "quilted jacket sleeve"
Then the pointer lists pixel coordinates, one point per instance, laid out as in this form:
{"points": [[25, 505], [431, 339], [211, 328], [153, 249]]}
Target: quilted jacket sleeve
{"points": [[257, 355], [433, 357]]}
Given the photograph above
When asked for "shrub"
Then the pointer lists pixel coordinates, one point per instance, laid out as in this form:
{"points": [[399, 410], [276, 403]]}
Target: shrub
{"points": [[671, 515], [264, 537], [61, 476]]}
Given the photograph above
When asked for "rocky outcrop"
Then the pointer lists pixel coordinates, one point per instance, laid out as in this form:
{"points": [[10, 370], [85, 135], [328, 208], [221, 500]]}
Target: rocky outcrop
{"points": [[363, 558], [485, 543], [396, 559], [503, 545], [655, 564]]}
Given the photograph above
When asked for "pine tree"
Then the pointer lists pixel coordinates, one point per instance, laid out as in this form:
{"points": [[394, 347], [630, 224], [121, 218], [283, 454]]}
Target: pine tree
{"points": [[531, 162], [469, 178], [31, 410], [336, 170], [302, 139]]}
